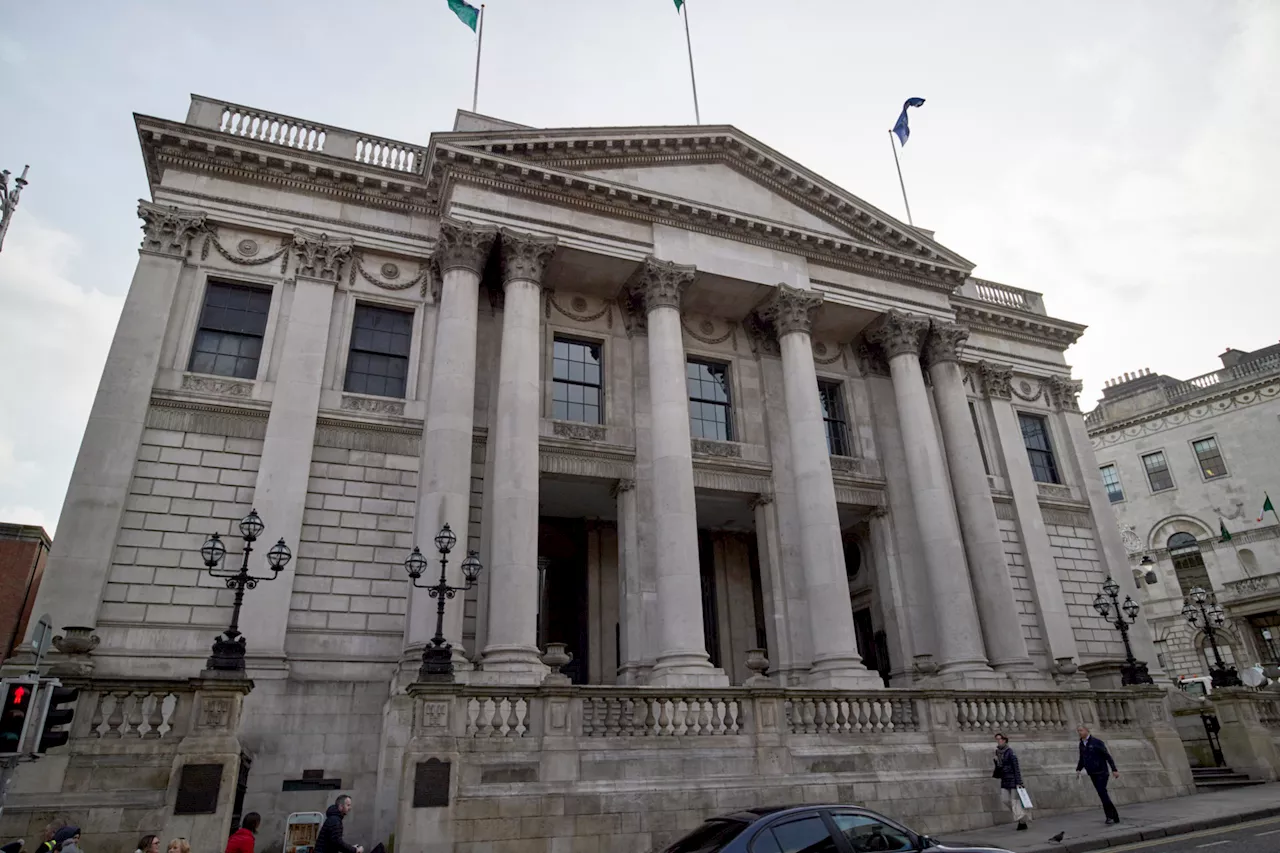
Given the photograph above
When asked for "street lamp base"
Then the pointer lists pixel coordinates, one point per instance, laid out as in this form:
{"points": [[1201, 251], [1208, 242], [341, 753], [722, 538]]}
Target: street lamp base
{"points": [[437, 664], [1135, 673], [228, 655], [1225, 677]]}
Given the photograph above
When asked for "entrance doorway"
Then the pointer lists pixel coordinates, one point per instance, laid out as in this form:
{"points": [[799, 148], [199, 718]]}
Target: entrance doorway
{"points": [[562, 606]]}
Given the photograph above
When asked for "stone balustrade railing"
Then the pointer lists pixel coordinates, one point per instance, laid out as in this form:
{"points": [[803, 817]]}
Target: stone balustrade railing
{"points": [[1269, 711], [477, 712], [1246, 587], [136, 713], [302, 135], [1004, 295]]}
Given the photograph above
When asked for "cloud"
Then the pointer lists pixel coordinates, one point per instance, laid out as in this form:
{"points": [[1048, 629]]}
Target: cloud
{"points": [[55, 334]]}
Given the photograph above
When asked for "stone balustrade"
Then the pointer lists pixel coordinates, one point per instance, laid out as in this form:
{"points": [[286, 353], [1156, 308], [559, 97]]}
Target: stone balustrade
{"points": [[846, 714], [1020, 713], [1004, 295], [137, 713], [1116, 712]]}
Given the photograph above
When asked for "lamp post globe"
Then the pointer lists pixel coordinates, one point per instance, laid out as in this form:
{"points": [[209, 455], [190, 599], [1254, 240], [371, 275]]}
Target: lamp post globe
{"points": [[213, 551], [251, 526], [445, 540], [229, 647], [437, 657]]}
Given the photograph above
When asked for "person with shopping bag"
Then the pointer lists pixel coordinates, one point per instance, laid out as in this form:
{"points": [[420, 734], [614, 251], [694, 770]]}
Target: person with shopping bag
{"points": [[1008, 771]]}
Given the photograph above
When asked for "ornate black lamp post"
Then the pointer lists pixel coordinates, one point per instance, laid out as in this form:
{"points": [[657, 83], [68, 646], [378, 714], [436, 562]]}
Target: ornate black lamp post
{"points": [[228, 649], [1134, 671], [9, 198], [437, 657], [1194, 609]]}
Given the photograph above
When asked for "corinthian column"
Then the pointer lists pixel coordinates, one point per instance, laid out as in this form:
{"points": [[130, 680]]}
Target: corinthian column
{"points": [[444, 481], [682, 661], [1006, 647], [959, 638], [836, 662], [513, 569]]}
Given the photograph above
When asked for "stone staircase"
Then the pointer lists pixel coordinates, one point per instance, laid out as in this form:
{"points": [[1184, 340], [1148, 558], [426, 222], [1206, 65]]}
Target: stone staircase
{"points": [[1221, 778]]}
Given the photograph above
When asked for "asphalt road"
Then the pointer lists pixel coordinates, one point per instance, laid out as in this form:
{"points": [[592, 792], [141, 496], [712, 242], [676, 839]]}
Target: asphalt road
{"points": [[1259, 836]]}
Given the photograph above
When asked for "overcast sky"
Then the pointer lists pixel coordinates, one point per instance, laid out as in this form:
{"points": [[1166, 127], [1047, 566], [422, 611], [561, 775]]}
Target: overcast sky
{"points": [[1122, 157]]}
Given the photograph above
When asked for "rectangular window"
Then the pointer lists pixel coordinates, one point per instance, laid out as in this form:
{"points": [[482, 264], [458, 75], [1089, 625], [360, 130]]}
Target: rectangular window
{"points": [[1035, 435], [709, 403], [1111, 479], [982, 448], [834, 419], [1157, 471], [379, 359], [577, 392], [1210, 457], [229, 339]]}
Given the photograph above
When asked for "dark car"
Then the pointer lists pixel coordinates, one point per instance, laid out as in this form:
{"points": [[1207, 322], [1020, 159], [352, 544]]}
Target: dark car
{"points": [[809, 829]]}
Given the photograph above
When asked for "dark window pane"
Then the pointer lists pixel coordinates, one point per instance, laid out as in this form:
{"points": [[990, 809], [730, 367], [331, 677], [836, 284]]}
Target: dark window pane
{"points": [[1157, 471], [1035, 435], [1210, 457], [982, 448], [378, 363], [1111, 479], [232, 323], [576, 380], [560, 410], [833, 415], [711, 837], [864, 832], [808, 835], [709, 403]]}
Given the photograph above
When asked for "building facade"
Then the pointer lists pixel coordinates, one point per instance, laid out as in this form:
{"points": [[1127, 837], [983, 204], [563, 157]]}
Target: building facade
{"points": [[23, 551], [1187, 466], [809, 505]]}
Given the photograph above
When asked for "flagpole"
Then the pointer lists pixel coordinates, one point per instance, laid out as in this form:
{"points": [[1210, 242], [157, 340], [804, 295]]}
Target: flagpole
{"points": [[1273, 507], [901, 183], [475, 92], [697, 114]]}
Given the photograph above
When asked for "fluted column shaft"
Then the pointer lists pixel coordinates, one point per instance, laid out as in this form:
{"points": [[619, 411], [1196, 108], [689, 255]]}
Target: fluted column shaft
{"points": [[682, 659], [959, 637], [1006, 647], [513, 549], [444, 483], [836, 662]]}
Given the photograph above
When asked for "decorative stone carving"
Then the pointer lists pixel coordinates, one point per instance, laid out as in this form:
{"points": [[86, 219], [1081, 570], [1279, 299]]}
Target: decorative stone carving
{"points": [[944, 342], [1023, 391], [214, 713], [1132, 541], [246, 251], [464, 245], [791, 309], [1062, 393], [758, 663], [995, 380], [846, 464], [723, 449], [247, 247], [390, 271], [924, 665], [556, 657], [1050, 490], [578, 309], [620, 486], [581, 432], [77, 640], [221, 387], [525, 256], [168, 229], [435, 715], [762, 499], [319, 256], [872, 360], [659, 283], [898, 333], [760, 335], [372, 406], [579, 304]]}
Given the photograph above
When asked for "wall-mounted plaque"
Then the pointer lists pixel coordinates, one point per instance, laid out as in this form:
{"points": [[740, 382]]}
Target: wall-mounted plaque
{"points": [[198, 788], [431, 784]]}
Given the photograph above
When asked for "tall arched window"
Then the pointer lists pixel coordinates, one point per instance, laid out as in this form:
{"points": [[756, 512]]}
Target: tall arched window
{"points": [[1187, 563]]}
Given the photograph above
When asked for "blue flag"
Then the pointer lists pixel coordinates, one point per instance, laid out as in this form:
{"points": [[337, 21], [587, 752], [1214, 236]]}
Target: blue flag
{"points": [[901, 128]]}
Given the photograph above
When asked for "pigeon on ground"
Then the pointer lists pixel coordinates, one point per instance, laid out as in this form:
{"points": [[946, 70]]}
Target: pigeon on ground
{"points": [[1057, 839]]}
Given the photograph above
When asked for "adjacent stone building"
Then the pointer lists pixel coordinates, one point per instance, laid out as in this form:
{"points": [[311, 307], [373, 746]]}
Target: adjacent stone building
{"points": [[812, 507], [1182, 462]]}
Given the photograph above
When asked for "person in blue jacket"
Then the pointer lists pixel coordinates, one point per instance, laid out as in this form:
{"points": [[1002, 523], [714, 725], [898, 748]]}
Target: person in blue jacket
{"points": [[1096, 761]]}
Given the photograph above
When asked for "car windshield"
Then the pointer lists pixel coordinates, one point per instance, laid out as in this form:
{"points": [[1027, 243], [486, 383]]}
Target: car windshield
{"points": [[711, 837]]}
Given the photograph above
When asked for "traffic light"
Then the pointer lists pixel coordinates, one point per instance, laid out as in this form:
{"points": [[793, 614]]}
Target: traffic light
{"points": [[56, 717], [18, 698]]}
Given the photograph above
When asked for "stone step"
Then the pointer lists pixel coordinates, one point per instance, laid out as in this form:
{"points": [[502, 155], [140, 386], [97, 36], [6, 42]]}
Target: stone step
{"points": [[1223, 784]]}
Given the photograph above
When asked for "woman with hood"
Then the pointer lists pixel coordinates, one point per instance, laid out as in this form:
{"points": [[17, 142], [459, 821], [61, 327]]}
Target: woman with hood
{"points": [[1009, 773]]}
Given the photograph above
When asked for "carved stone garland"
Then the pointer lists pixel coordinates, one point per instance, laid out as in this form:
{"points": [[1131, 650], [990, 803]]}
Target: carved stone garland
{"points": [[211, 239], [357, 268], [580, 316]]}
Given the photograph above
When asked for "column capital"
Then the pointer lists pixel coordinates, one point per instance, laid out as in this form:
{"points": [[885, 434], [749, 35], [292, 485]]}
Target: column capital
{"points": [[996, 380], [623, 485], [167, 229], [1062, 393], [790, 309], [525, 256], [656, 284], [944, 342], [762, 499], [464, 245], [898, 333], [319, 256]]}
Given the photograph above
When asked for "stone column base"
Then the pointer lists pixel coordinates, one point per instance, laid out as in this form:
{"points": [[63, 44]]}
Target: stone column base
{"points": [[842, 673], [511, 665], [686, 669]]}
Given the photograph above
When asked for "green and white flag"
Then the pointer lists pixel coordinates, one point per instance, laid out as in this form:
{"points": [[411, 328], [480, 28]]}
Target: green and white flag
{"points": [[466, 13], [1222, 529], [1266, 507]]}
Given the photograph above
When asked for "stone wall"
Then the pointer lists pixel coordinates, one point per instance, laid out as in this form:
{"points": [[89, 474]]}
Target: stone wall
{"points": [[1023, 595], [1081, 574]]}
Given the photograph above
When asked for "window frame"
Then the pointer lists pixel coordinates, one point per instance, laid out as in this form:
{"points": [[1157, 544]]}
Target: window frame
{"points": [[768, 825], [186, 365], [357, 302], [730, 395], [1106, 487], [836, 390], [912, 838], [1217, 446], [580, 340], [1054, 469], [1168, 470]]}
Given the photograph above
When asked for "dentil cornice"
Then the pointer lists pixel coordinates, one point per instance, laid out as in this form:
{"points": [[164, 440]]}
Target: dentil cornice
{"points": [[790, 309], [898, 333], [319, 256], [463, 245], [945, 341], [167, 230], [525, 256], [1016, 325]]}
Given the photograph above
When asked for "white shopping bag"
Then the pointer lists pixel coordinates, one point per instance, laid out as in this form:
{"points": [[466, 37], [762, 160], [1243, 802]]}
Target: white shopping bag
{"points": [[1025, 797]]}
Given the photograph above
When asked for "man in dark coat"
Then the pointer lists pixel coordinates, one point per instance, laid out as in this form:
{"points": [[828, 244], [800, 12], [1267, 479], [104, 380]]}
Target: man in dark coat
{"points": [[1096, 761], [330, 838]]}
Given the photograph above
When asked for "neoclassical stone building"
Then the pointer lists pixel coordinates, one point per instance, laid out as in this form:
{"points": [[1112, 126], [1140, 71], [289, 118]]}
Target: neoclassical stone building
{"points": [[694, 407]]}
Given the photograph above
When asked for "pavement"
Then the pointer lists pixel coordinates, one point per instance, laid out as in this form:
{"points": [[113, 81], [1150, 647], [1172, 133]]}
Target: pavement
{"points": [[1086, 831]]}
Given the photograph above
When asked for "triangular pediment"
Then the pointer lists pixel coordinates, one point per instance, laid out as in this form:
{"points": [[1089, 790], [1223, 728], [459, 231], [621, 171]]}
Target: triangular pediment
{"points": [[717, 166]]}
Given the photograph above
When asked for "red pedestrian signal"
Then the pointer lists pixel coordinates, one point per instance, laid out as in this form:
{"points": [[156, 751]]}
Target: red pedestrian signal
{"points": [[19, 693], [13, 715]]}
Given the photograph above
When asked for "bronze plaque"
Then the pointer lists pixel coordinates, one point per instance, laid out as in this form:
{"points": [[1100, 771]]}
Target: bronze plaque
{"points": [[198, 788], [431, 784]]}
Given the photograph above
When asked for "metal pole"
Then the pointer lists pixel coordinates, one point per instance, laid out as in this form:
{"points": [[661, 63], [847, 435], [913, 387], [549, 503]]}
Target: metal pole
{"points": [[9, 199], [475, 92], [901, 183], [697, 114], [442, 589]]}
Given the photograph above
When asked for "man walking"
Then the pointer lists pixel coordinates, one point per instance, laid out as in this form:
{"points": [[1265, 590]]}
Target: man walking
{"points": [[1096, 761], [330, 838]]}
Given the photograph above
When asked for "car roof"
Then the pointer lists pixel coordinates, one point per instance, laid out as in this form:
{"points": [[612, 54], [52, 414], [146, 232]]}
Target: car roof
{"points": [[755, 813]]}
